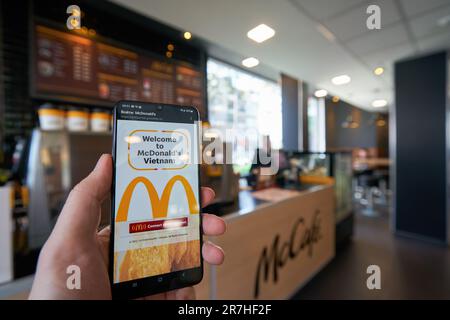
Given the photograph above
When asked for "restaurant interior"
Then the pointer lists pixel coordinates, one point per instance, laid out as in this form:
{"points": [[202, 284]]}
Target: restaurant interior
{"points": [[352, 96]]}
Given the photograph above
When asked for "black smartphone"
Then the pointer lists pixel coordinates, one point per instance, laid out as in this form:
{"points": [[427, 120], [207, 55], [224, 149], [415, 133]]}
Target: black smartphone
{"points": [[156, 235]]}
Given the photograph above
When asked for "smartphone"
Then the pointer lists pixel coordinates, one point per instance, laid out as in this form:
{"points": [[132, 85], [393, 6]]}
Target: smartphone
{"points": [[156, 235]]}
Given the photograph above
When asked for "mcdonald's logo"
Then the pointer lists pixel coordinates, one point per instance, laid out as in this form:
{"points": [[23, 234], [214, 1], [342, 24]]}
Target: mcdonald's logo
{"points": [[159, 205]]}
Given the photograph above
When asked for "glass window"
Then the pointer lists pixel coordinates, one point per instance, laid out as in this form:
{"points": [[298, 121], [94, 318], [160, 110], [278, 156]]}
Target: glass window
{"points": [[249, 104], [316, 124]]}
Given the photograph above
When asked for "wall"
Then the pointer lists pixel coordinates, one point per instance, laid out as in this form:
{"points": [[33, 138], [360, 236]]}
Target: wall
{"points": [[17, 114], [420, 147], [289, 107], [2, 102], [382, 136], [367, 135]]}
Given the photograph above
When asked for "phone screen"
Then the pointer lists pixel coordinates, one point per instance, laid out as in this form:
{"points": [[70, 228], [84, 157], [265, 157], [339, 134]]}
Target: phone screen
{"points": [[156, 198]]}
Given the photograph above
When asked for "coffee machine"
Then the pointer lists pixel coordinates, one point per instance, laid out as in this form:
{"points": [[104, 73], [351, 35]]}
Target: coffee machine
{"points": [[57, 161], [220, 176]]}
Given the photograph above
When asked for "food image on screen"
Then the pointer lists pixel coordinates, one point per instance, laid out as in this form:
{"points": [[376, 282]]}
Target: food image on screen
{"points": [[156, 200], [152, 261]]}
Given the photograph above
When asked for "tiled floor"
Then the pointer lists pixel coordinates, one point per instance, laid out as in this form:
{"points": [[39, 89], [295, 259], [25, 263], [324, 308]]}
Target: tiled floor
{"points": [[410, 269]]}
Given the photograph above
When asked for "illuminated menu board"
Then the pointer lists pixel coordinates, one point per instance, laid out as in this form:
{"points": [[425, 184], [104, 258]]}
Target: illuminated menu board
{"points": [[69, 65], [188, 86], [157, 81]]}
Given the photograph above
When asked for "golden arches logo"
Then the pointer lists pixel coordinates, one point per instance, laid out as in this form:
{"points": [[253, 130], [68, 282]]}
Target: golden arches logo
{"points": [[159, 205]]}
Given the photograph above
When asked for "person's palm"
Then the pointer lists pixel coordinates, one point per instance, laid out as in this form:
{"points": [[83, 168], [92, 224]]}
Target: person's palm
{"points": [[75, 241]]}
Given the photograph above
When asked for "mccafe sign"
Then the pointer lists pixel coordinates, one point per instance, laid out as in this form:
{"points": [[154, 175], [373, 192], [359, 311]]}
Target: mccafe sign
{"points": [[285, 249]]}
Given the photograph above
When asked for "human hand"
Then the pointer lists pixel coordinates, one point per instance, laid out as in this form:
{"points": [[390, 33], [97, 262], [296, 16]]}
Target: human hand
{"points": [[75, 241]]}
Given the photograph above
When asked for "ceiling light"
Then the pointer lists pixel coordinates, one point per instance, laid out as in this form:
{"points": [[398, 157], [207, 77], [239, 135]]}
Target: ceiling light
{"points": [[378, 71], [250, 62], [326, 33], [321, 93], [335, 99], [187, 35], [380, 103], [261, 33], [380, 120], [340, 80]]}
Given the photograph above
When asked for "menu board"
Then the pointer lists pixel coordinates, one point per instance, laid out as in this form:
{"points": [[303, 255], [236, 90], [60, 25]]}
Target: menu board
{"points": [[188, 86], [157, 81], [64, 63], [70, 65], [117, 71]]}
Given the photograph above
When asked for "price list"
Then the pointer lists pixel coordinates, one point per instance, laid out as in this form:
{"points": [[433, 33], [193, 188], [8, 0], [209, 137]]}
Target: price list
{"points": [[68, 64]]}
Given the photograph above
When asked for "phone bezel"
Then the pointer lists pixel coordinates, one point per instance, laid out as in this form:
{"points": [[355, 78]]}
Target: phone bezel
{"points": [[165, 282]]}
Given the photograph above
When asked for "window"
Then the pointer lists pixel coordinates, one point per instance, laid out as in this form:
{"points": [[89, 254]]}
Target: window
{"points": [[316, 124], [244, 102]]}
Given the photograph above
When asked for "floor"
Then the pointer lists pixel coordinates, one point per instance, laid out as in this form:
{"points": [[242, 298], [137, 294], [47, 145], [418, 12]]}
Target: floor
{"points": [[410, 269]]}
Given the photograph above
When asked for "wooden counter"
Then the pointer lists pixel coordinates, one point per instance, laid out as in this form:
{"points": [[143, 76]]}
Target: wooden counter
{"points": [[273, 250]]}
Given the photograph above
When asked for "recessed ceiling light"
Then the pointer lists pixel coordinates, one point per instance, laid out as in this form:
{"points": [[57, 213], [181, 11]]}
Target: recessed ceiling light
{"points": [[321, 93], [327, 34], [378, 71], [187, 35], [380, 103], [250, 62], [261, 33], [340, 80], [335, 99]]}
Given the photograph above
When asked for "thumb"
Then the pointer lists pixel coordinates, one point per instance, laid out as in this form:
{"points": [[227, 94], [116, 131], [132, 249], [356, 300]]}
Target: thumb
{"points": [[81, 213]]}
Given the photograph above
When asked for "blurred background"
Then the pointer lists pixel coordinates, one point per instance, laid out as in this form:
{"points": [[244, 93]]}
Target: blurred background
{"points": [[352, 94]]}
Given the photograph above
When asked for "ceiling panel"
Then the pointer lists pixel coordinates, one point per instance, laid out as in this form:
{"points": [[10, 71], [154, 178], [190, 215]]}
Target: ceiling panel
{"points": [[323, 9], [385, 58], [378, 40], [363, 85], [439, 41], [428, 23], [353, 23], [298, 49], [414, 7]]}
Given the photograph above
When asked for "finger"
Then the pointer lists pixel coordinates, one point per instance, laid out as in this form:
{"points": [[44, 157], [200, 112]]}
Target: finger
{"points": [[187, 293], [103, 238], [105, 232], [213, 225], [212, 254], [158, 296], [207, 196], [81, 213], [98, 183]]}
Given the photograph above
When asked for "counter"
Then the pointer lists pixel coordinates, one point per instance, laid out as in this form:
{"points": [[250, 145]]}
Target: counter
{"points": [[272, 248]]}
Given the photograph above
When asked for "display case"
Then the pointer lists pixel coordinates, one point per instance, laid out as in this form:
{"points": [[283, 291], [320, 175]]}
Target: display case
{"points": [[330, 168]]}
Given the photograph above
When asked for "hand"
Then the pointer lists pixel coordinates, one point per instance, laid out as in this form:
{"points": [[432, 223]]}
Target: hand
{"points": [[75, 241]]}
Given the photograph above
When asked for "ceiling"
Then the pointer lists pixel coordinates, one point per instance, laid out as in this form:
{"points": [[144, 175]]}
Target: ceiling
{"points": [[299, 49]]}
